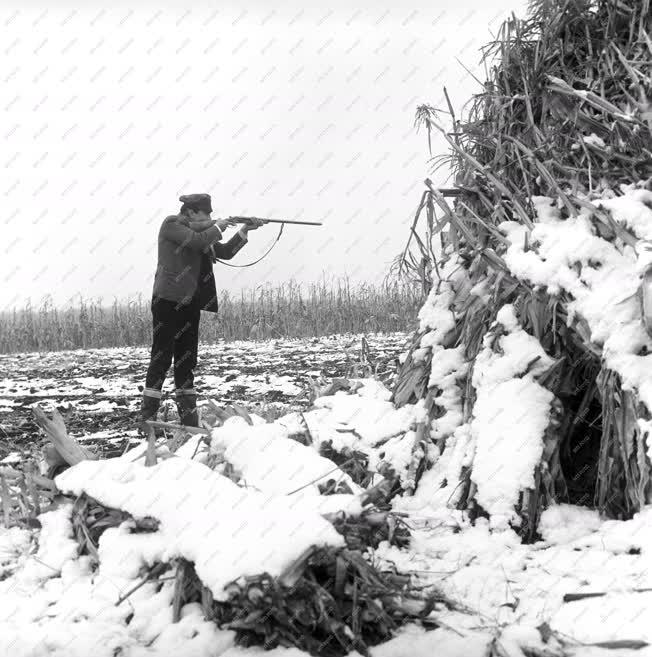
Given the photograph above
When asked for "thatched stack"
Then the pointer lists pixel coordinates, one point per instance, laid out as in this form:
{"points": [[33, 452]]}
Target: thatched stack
{"points": [[566, 113]]}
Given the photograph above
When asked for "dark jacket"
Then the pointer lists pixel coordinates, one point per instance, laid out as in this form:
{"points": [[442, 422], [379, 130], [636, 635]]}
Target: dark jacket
{"points": [[185, 261]]}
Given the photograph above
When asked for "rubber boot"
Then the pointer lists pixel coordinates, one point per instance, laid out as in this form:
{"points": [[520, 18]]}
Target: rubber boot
{"points": [[186, 399], [149, 408]]}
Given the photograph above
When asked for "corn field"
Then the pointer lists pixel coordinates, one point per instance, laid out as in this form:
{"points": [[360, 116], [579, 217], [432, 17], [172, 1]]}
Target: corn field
{"points": [[287, 310]]}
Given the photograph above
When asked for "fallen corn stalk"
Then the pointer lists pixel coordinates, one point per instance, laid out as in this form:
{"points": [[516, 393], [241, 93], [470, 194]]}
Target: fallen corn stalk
{"points": [[68, 448]]}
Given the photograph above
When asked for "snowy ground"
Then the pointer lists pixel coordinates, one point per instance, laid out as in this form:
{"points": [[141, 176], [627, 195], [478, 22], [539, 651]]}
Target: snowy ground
{"points": [[53, 603], [96, 390]]}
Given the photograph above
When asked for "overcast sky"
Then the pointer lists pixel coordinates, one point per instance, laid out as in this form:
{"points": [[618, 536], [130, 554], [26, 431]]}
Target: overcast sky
{"points": [[275, 109]]}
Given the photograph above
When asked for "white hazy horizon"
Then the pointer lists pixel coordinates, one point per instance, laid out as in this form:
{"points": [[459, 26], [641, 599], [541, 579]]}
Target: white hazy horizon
{"points": [[109, 115]]}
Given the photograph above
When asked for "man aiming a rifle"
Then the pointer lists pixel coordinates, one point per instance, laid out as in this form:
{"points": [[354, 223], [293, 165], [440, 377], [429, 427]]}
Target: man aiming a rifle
{"points": [[188, 245]]}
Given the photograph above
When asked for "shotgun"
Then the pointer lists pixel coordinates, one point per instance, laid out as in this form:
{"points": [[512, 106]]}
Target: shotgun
{"points": [[244, 220]]}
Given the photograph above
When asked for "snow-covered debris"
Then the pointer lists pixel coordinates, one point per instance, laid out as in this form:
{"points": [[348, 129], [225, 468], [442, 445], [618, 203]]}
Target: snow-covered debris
{"points": [[270, 461], [435, 315], [447, 369], [633, 209], [55, 545], [448, 366], [197, 508], [439, 486], [368, 412], [14, 542], [364, 421]]}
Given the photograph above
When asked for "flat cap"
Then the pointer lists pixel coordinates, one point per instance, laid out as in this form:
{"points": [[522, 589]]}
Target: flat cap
{"points": [[197, 202]]}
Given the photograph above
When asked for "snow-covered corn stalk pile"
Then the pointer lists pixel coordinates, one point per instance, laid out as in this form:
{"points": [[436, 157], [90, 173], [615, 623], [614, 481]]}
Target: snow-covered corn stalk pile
{"points": [[532, 354]]}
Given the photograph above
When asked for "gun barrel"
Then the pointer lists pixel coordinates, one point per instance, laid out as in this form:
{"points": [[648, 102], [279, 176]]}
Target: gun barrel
{"points": [[278, 221], [289, 221]]}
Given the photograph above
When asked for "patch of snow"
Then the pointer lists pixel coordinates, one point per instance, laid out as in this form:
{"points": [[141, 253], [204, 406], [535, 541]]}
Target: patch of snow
{"points": [[593, 140], [12, 457], [562, 523], [510, 416]]}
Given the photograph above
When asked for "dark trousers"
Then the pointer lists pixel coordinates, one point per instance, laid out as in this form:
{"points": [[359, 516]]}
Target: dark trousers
{"points": [[175, 334]]}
